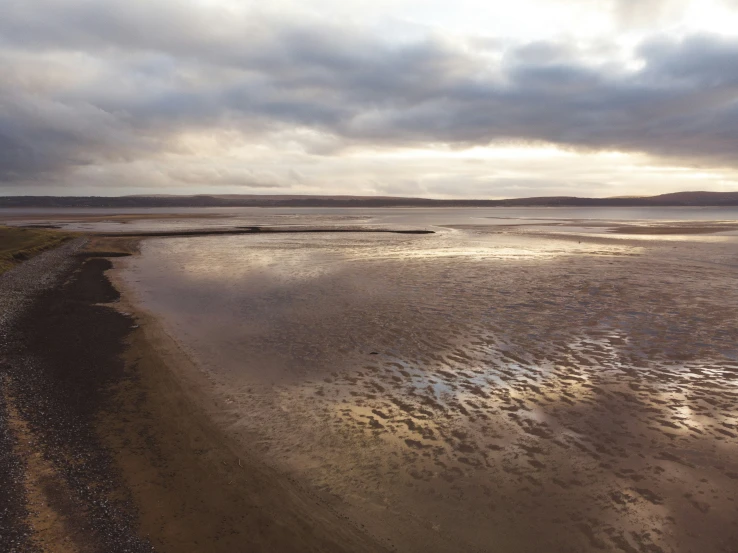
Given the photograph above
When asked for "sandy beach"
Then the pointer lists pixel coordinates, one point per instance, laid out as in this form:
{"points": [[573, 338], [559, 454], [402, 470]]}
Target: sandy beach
{"points": [[476, 389]]}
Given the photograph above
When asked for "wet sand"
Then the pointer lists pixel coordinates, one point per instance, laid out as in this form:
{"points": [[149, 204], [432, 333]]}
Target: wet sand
{"points": [[479, 389], [106, 448], [475, 391]]}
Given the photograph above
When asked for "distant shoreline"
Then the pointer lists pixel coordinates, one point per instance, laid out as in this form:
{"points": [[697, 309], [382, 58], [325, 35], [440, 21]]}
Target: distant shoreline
{"points": [[677, 199]]}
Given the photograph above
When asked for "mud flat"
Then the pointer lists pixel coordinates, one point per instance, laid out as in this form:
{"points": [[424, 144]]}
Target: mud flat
{"points": [[475, 390]]}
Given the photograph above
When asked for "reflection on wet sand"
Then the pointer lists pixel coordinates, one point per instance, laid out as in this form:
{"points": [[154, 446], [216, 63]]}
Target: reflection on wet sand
{"points": [[479, 389]]}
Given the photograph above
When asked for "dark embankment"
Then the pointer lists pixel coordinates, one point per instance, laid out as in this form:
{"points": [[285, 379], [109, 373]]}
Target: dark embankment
{"points": [[102, 447]]}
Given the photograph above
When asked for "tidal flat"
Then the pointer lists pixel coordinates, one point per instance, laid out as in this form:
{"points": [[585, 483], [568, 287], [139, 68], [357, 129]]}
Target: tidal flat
{"points": [[514, 382], [484, 388]]}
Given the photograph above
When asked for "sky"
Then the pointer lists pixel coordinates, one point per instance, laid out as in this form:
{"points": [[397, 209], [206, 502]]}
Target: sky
{"points": [[431, 98]]}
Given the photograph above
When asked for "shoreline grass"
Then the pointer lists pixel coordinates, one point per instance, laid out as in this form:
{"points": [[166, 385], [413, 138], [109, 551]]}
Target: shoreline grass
{"points": [[19, 244]]}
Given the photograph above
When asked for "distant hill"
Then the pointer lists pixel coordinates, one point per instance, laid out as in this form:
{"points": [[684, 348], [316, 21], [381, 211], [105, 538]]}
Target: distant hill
{"points": [[235, 200]]}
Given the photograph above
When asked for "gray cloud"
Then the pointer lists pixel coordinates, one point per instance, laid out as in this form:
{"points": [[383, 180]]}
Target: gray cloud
{"points": [[90, 83], [218, 176]]}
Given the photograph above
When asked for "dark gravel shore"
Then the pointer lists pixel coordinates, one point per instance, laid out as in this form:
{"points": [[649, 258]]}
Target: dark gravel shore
{"points": [[18, 288], [59, 357]]}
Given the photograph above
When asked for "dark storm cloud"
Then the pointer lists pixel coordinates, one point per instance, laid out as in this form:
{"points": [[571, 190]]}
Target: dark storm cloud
{"points": [[87, 83]]}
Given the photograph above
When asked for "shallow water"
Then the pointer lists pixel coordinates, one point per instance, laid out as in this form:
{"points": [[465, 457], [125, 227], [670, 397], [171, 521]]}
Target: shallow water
{"points": [[482, 385], [209, 218]]}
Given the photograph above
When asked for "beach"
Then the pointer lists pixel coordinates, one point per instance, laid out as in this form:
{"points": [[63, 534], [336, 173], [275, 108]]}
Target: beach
{"points": [[106, 450], [482, 388]]}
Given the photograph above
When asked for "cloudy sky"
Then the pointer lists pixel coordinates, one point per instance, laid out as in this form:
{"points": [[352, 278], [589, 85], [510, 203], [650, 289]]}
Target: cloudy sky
{"points": [[436, 98]]}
